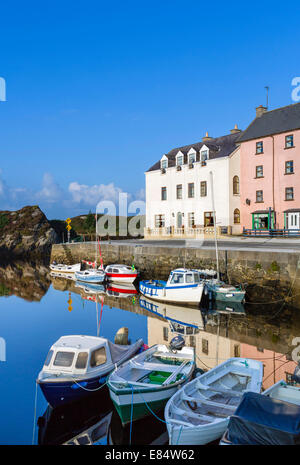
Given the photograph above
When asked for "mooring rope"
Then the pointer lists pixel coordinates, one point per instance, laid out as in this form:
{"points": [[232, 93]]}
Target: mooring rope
{"points": [[34, 415], [89, 390]]}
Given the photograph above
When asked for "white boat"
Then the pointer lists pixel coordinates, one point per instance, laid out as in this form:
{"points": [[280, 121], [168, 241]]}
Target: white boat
{"points": [[200, 411], [184, 286], [61, 268], [90, 276], [150, 378], [77, 365], [121, 273], [280, 392]]}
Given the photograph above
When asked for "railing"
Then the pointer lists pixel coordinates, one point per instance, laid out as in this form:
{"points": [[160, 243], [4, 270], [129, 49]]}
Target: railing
{"points": [[196, 232], [271, 232]]}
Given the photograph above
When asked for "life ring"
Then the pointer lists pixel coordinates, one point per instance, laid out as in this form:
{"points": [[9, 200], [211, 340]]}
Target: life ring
{"points": [[192, 405]]}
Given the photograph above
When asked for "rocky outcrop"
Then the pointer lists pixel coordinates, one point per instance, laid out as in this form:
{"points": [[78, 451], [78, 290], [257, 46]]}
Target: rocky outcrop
{"points": [[26, 234]]}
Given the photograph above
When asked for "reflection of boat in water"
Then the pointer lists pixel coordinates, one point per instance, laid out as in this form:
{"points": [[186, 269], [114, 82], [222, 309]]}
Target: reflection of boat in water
{"points": [[120, 290], [90, 288], [227, 308], [149, 431], [62, 268], [58, 274], [177, 316], [83, 422]]}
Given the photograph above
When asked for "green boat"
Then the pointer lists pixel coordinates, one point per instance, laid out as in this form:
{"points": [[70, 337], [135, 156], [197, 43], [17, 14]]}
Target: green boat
{"points": [[221, 291], [145, 383]]}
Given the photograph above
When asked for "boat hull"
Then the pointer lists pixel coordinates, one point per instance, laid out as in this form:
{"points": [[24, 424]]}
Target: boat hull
{"points": [[121, 278], [89, 279], [194, 436], [65, 392], [185, 295]]}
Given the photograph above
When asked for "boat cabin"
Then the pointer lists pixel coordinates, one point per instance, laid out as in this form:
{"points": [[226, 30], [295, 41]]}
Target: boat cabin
{"points": [[121, 269], [182, 276], [77, 355]]}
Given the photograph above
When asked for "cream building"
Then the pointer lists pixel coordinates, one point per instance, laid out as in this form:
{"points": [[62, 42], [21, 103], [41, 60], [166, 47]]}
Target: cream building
{"points": [[179, 198]]}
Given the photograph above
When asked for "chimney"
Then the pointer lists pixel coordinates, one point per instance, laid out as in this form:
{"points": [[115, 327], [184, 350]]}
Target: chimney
{"points": [[235, 130], [260, 111], [206, 138]]}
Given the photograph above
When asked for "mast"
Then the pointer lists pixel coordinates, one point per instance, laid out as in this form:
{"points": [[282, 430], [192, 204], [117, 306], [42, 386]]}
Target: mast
{"points": [[215, 226], [96, 240]]}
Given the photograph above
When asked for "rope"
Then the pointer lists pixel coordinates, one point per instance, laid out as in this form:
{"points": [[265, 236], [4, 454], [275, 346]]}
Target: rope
{"points": [[131, 415], [150, 410], [89, 390], [179, 435], [34, 416]]}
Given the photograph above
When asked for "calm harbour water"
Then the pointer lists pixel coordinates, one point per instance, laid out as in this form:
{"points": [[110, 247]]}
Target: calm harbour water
{"points": [[35, 312]]}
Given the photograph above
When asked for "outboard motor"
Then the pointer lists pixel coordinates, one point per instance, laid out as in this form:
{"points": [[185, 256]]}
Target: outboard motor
{"points": [[296, 375], [177, 343]]}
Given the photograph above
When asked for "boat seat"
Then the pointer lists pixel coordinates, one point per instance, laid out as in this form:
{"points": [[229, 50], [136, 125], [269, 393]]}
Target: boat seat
{"points": [[181, 411], [208, 402], [221, 391]]}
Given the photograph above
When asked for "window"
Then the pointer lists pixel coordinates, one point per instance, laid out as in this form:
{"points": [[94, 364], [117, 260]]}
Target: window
{"points": [[192, 341], [191, 219], [179, 191], [236, 185], [81, 360], [164, 163], [289, 167], [208, 219], [237, 350], [289, 377], [204, 155], [259, 196], [177, 278], [98, 357], [203, 189], [289, 193], [196, 278], [289, 142], [159, 221], [189, 278], [191, 190], [179, 160], [165, 333], [236, 216], [163, 193], [192, 157], [205, 346], [259, 147], [64, 359], [259, 171], [49, 356]]}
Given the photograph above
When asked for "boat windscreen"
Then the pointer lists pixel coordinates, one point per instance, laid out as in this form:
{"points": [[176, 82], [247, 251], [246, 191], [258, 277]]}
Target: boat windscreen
{"points": [[63, 359]]}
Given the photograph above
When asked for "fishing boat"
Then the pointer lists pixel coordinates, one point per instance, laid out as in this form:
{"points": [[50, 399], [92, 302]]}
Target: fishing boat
{"points": [[184, 286], [223, 292], [121, 273], [61, 268], [199, 412], [90, 276], [147, 381], [78, 365], [270, 418], [120, 290]]}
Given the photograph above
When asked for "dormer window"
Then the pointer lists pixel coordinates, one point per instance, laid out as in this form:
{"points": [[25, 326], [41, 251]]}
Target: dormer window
{"points": [[204, 155], [164, 163], [179, 159], [192, 157]]}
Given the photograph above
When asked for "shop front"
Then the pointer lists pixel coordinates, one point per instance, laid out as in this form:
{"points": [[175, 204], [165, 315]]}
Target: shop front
{"points": [[263, 219]]}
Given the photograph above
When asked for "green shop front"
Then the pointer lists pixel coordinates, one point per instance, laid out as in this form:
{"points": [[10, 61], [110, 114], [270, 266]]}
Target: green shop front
{"points": [[263, 219]]}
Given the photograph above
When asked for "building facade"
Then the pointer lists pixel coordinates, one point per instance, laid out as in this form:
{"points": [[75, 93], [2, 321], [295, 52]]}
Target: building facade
{"points": [[270, 170], [179, 196]]}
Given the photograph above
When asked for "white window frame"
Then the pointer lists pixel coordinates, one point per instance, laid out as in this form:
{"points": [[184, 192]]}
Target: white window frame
{"points": [[164, 159], [179, 154]]}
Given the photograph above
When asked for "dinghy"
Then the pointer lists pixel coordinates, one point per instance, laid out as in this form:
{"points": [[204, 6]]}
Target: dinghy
{"points": [[183, 287], [200, 411], [149, 380], [78, 365], [90, 276], [61, 268], [121, 273], [221, 291], [266, 422]]}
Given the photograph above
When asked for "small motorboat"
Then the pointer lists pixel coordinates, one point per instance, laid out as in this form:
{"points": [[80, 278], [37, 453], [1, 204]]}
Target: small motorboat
{"points": [[224, 292], [199, 412], [270, 418], [120, 290], [61, 268], [78, 365], [121, 273], [150, 379], [90, 276], [183, 287]]}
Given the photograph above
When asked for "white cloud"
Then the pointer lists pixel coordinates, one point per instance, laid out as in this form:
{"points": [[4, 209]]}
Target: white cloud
{"points": [[51, 192], [91, 195]]}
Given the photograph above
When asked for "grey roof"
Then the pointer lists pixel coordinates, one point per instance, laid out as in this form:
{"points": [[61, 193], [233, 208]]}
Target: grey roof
{"points": [[277, 121], [218, 147]]}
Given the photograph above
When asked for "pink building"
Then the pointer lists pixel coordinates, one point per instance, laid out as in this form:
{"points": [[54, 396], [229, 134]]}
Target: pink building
{"points": [[270, 170]]}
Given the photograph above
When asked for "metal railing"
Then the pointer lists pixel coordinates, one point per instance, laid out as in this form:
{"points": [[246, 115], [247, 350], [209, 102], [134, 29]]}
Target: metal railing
{"points": [[271, 232]]}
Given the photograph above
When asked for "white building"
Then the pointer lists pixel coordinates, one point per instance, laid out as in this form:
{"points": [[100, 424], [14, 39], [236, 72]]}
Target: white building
{"points": [[178, 189]]}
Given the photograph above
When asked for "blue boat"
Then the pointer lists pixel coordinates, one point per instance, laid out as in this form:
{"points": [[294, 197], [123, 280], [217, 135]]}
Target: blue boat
{"points": [[77, 366], [90, 276]]}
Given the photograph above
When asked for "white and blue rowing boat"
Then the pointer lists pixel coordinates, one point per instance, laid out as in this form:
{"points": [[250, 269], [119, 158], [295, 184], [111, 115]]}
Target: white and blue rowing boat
{"points": [[90, 276]]}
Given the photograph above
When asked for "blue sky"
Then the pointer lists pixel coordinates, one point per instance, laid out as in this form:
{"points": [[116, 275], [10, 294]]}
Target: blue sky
{"points": [[98, 91]]}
